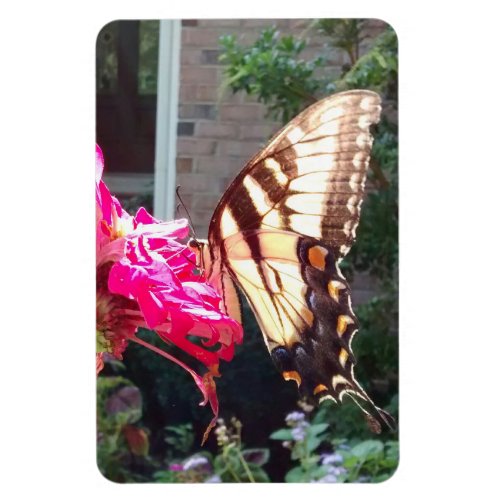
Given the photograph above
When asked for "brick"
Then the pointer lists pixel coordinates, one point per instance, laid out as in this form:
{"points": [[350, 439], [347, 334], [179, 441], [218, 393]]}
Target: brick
{"points": [[185, 128], [198, 74], [192, 147], [187, 199], [189, 22], [202, 37], [215, 165], [261, 131], [205, 202], [190, 56], [241, 112], [238, 148], [210, 56], [299, 24], [201, 225], [207, 93], [198, 183], [217, 129], [187, 92], [219, 23], [193, 111], [264, 23], [184, 165], [230, 97]]}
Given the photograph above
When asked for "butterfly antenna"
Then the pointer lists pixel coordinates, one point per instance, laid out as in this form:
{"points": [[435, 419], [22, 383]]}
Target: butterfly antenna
{"points": [[177, 189]]}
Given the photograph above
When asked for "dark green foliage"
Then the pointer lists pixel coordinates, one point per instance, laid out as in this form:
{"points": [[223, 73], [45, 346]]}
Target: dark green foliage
{"points": [[319, 456], [272, 70], [345, 34], [119, 411], [370, 461], [377, 69]]}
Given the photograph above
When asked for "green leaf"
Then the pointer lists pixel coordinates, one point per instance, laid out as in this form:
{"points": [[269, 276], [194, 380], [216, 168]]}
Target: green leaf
{"points": [[313, 442], [369, 448], [316, 429], [282, 435], [259, 474], [295, 475], [256, 456], [319, 472]]}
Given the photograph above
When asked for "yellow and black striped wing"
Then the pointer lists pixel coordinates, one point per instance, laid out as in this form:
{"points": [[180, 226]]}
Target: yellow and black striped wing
{"points": [[280, 231], [310, 178]]}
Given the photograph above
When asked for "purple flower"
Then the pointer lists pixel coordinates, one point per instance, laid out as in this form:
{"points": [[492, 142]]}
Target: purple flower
{"points": [[332, 474], [299, 433], [213, 479], [195, 462], [331, 458], [294, 418]]}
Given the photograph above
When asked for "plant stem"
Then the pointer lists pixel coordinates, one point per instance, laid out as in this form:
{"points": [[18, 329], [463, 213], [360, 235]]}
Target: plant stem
{"points": [[228, 466], [245, 466]]}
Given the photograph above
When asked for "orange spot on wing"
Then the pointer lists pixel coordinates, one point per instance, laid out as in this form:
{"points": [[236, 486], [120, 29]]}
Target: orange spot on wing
{"points": [[334, 288], [343, 356], [316, 256], [333, 291], [292, 375], [342, 323], [320, 388]]}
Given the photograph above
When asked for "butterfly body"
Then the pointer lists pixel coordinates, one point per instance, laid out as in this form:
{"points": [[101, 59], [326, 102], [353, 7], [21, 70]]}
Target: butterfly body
{"points": [[280, 231]]}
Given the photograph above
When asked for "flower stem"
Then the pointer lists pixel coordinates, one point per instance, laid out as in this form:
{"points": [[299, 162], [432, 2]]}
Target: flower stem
{"points": [[162, 353], [245, 466], [225, 453]]}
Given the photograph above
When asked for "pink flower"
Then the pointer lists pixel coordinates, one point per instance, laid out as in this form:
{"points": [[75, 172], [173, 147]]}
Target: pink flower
{"points": [[146, 277]]}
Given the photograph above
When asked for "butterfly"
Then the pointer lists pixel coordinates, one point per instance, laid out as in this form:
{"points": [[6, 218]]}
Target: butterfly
{"points": [[279, 233]]}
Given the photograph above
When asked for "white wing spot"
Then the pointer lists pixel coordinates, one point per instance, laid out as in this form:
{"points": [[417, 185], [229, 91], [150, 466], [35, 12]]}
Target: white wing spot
{"points": [[257, 194], [332, 114], [355, 181], [280, 177], [228, 224], [352, 204], [273, 219], [339, 379], [344, 249], [364, 122], [363, 140], [295, 135], [328, 396], [359, 160], [366, 103]]}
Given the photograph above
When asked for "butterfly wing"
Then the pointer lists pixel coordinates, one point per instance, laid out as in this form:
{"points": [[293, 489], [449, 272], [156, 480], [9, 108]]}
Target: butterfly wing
{"points": [[310, 178], [280, 231]]}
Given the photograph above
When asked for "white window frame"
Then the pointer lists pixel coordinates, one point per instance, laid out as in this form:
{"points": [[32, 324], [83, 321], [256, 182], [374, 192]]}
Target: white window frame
{"points": [[166, 118]]}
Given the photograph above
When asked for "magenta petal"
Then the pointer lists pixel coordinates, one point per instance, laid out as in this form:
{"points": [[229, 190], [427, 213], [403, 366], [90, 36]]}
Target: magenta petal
{"points": [[99, 163], [142, 216], [152, 309]]}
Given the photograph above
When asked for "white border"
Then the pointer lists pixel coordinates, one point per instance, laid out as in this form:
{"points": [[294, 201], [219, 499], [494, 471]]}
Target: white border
{"points": [[449, 249]]}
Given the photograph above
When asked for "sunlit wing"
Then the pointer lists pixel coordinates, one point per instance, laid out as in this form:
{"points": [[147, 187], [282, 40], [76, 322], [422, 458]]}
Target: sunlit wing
{"points": [[280, 231], [310, 178]]}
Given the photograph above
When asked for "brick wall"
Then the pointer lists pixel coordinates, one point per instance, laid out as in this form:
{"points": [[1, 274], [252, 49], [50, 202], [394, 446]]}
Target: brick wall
{"points": [[219, 132]]}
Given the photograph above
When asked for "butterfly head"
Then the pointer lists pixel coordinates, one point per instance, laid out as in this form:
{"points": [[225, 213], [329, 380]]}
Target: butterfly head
{"points": [[202, 252]]}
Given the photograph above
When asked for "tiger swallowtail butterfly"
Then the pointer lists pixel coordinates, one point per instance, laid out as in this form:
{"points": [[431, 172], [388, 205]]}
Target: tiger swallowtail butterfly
{"points": [[279, 233]]}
